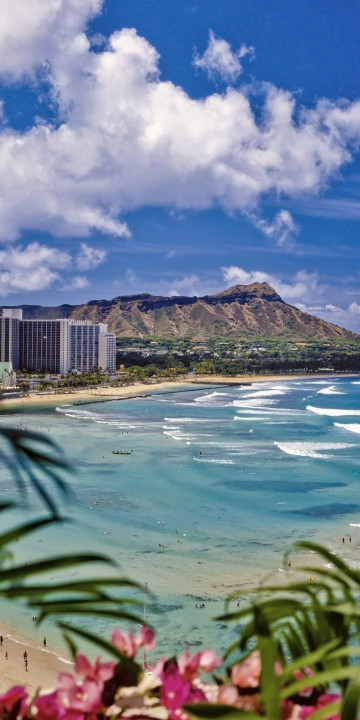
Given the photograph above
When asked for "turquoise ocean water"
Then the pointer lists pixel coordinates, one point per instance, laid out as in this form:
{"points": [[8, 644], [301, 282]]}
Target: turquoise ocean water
{"points": [[219, 484]]}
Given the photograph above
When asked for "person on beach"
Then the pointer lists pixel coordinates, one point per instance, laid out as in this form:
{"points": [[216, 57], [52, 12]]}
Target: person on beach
{"points": [[25, 655], [6, 655], [26, 664], [44, 640], [1, 639]]}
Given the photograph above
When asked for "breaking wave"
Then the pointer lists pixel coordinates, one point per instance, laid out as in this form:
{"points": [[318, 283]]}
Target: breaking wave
{"points": [[351, 427], [332, 412], [331, 390], [311, 449]]}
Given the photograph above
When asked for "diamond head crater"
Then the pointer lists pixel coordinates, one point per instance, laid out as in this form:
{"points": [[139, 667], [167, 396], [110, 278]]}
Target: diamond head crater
{"points": [[246, 328]]}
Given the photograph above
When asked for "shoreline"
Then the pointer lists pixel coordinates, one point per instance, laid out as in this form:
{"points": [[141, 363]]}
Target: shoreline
{"points": [[44, 664], [142, 389]]}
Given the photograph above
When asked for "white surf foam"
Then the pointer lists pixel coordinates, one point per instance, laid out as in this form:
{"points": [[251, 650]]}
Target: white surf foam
{"points": [[214, 461], [270, 384], [331, 390], [311, 449], [179, 435], [264, 393], [272, 412], [250, 419], [332, 412], [210, 396], [351, 427], [255, 402], [192, 420], [77, 411]]}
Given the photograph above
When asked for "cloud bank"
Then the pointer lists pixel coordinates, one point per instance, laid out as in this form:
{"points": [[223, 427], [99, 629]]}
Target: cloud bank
{"points": [[293, 291], [38, 267], [124, 139]]}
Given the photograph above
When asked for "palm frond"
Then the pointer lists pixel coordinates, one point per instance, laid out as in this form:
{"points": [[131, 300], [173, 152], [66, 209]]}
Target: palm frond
{"points": [[33, 457], [312, 625]]}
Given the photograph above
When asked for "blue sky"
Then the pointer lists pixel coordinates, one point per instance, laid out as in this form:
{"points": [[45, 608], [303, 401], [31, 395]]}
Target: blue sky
{"points": [[179, 147]]}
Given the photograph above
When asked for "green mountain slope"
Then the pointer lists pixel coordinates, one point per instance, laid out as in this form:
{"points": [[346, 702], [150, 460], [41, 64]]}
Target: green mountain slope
{"points": [[241, 311]]}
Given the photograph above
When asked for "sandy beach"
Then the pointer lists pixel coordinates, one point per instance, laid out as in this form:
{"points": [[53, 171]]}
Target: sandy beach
{"points": [[44, 665], [138, 389]]}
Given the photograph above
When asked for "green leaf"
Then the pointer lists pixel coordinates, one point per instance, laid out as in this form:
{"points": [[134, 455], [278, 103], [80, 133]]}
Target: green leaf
{"points": [[22, 530], [331, 558], [211, 711], [351, 701], [268, 680], [132, 668], [53, 563], [31, 453], [320, 679], [90, 585], [327, 711]]}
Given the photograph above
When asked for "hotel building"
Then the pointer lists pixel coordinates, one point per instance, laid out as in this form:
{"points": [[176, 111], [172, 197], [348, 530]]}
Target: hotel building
{"points": [[55, 346]]}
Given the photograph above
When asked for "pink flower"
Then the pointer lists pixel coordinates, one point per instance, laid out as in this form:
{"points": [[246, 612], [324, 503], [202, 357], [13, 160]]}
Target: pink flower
{"points": [[289, 711], [73, 698], [207, 661], [247, 673], [145, 638], [123, 642], [128, 644], [100, 671], [176, 692], [16, 695], [229, 695], [79, 697], [47, 707], [322, 701]]}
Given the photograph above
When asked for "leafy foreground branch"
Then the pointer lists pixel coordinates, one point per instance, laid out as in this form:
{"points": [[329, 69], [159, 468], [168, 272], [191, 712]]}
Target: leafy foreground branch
{"points": [[297, 655], [38, 466]]}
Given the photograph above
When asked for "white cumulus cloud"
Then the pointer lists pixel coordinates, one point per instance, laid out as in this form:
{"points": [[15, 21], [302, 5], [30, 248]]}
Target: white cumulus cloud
{"points": [[304, 290], [282, 229], [220, 61], [30, 268], [89, 257], [303, 287], [345, 317], [78, 282], [32, 32], [188, 285], [125, 139]]}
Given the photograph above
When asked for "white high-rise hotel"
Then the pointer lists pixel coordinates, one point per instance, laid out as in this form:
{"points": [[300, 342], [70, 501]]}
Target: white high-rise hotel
{"points": [[55, 346]]}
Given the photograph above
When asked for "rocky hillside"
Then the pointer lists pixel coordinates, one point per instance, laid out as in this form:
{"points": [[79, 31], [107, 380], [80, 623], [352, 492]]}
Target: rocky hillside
{"points": [[240, 311]]}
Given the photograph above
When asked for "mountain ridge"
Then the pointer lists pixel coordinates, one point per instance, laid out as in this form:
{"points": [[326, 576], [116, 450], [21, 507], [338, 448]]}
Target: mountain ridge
{"points": [[239, 311]]}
